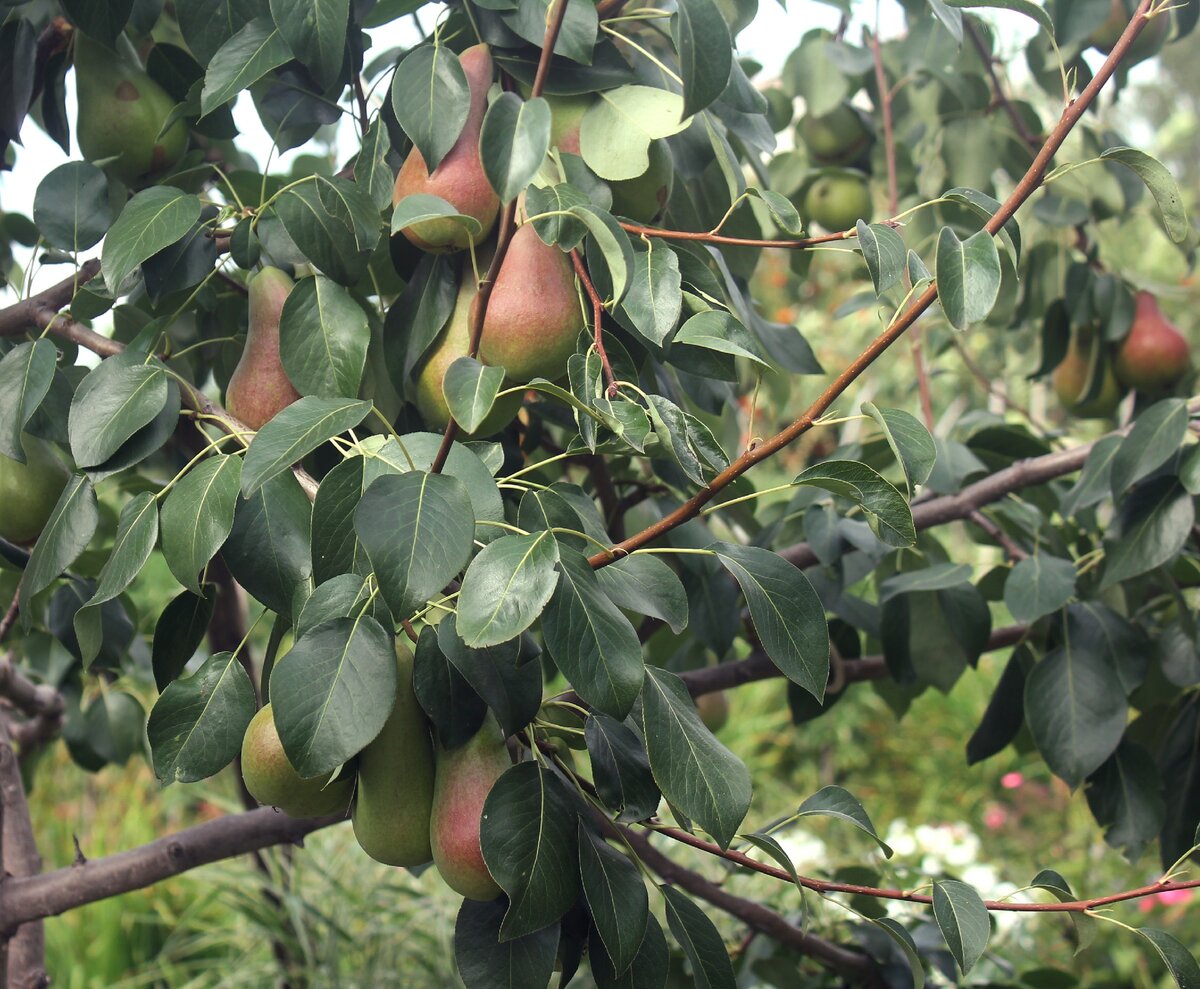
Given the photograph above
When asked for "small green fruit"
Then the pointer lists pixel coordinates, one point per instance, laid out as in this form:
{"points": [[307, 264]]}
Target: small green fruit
{"points": [[273, 781], [838, 199], [838, 137], [779, 109], [29, 491], [644, 198]]}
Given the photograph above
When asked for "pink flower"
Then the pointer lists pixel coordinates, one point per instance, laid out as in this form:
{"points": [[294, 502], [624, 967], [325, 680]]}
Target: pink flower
{"points": [[994, 818], [1166, 897], [1010, 781]]}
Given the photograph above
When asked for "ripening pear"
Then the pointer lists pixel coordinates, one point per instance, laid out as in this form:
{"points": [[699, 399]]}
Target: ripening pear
{"points": [[273, 781], [259, 386], [395, 781], [838, 200], [29, 491], [1154, 354], [533, 316], [644, 198], [462, 781], [1070, 380], [121, 111], [452, 343], [837, 137], [459, 177]]}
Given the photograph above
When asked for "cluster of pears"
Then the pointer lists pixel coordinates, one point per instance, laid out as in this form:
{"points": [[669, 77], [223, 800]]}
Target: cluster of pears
{"points": [[122, 112], [29, 490], [1152, 358], [411, 800], [839, 142], [533, 316]]}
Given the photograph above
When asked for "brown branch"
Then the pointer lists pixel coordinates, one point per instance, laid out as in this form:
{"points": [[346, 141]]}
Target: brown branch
{"points": [[708, 237], [1031, 140], [597, 317], [26, 946], [1010, 547], [22, 315], [1029, 184], [10, 616], [857, 967], [506, 227], [41, 703]]}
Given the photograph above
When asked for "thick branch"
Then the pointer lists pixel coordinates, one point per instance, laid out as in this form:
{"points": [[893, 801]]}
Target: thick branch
{"points": [[26, 948], [1028, 185], [854, 966], [21, 315]]}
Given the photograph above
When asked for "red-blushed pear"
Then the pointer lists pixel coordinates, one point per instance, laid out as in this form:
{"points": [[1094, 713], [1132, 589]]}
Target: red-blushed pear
{"points": [[1070, 380], [273, 781], [29, 491], [463, 779], [452, 343], [533, 316], [459, 177], [394, 797], [1154, 354], [259, 387]]}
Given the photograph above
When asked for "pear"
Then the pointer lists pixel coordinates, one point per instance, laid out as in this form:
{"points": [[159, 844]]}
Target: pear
{"points": [[533, 316], [121, 111], [459, 177], [259, 386], [1070, 380], [837, 137], [780, 108], [713, 709], [1151, 39], [463, 779], [1154, 354], [273, 781], [838, 200], [395, 781], [29, 491], [566, 115], [644, 198]]}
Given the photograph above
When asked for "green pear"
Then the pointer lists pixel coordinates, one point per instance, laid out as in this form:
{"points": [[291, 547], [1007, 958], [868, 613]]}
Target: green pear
{"points": [[838, 199], [566, 115], [121, 111], [1070, 380], [395, 781], [1154, 355], [463, 779], [713, 709], [259, 387], [837, 137], [533, 317], [779, 108], [644, 198], [459, 177], [452, 343], [273, 781], [29, 491]]}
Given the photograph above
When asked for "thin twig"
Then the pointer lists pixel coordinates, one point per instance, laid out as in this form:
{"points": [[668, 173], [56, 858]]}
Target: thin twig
{"points": [[1011, 549], [597, 319]]}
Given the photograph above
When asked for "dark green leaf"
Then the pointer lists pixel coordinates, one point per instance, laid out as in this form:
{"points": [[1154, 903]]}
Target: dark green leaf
{"points": [[1153, 524], [621, 768], [577, 36], [514, 140], [323, 339], [178, 633], [968, 276], [71, 207], [67, 532], [451, 704], [835, 801], [430, 98], [645, 584], [153, 219], [1124, 797], [470, 389], [705, 53], [509, 686], [296, 431], [486, 962], [887, 511], [650, 966], [506, 587], [315, 30], [198, 515], [884, 251], [1039, 585], [26, 372], [616, 898], [333, 223], [1155, 438], [1179, 960], [654, 299], [117, 398], [700, 940], [963, 920], [910, 442], [103, 20], [255, 50], [1161, 184]]}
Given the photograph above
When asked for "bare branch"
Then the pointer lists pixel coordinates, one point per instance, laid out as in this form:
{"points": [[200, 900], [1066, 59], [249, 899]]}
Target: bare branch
{"points": [[21, 315], [26, 947]]}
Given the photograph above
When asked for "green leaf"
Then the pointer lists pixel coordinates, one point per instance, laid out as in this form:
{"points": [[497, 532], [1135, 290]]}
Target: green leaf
{"points": [[616, 131], [67, 532], [1039, 585], [963, 920], [116, 399], [705, 53], [196, 726], [268, 547], [470, 389], [197, 517], [486, 962], [421, 206], [417, 529], [1156, 436], [695, 772], [620, 768], [565, 231], [451, 704], [295, 432], [884, 251], [1161, 184], [332, 693], [71, 206], [506, 587], [908, 947], [345, 596], [577, 37], [788, 616], [315, 30], [985, 207], [719, 331], [593, 644], [103, 21], [529, 846], [335, 546], [616, 898], [323, 339], [431, 98], [654, 300], [645, 584], [700, 940], [1094, 482], [514, 140], [968, 276], [371, 170], [152, 220], [1125, 798], [1152, 525], [785, 215], [333, 223], [1076, 710], [649, 969], [935, 578], [1179, 961], [241, 61], [178, 633], [1026, 7], [614, 247], [835, 801], [505, 680], [887, 511], [910, 442], [26, 373]]}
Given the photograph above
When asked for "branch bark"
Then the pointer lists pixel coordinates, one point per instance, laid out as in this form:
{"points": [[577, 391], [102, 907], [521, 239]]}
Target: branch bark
{"points": [[26, 944]]}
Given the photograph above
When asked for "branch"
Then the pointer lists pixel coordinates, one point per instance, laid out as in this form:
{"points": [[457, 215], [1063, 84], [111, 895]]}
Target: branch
{"points": [[850, 964], [40, 702], [26, 946], [707, 237], [506, 227], [597, 316], [21, 315], [1029, 184]]}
